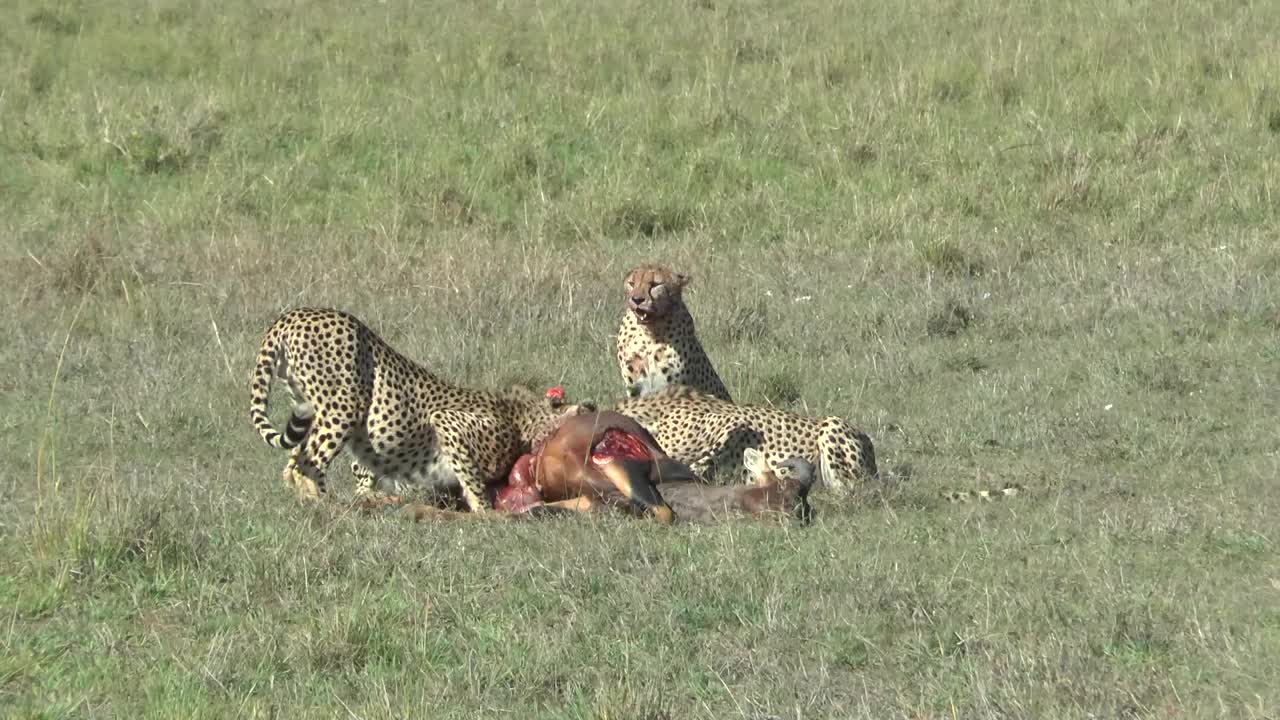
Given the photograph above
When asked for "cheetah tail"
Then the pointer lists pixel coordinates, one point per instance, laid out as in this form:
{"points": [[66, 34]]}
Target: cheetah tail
{"points": [[303, 414], [964, 496]]}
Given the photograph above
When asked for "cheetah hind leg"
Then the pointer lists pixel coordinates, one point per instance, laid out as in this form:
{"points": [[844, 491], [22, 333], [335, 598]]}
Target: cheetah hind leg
{"points": [[305, 486], [306, 469], [290, 474], [845, 455], [297, 480]]}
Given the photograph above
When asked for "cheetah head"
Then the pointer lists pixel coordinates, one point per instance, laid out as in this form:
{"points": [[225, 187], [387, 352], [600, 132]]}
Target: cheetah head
{"points": [[552, 403], [653, 291], [536, 415], [555, 399]]}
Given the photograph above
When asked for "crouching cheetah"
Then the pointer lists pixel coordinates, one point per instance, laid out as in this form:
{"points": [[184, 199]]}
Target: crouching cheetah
{"points": [[350, 388], [657, 345], [710, 435]]}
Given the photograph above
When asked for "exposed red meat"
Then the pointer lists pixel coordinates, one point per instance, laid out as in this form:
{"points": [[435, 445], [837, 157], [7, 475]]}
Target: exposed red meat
{"points": [[619, 444], [522, 473], [518, 492], [515, 498]]}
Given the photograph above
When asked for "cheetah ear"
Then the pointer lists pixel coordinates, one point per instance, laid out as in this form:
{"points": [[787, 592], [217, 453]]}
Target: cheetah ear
{"points": [[682, 280]]}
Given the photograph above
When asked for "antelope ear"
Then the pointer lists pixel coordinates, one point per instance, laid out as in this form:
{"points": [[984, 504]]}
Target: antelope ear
{"points": [[756, 465]]}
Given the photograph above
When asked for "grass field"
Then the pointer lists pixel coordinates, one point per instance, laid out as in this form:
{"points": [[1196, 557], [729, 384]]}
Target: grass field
{"points": [[1016, 242]]}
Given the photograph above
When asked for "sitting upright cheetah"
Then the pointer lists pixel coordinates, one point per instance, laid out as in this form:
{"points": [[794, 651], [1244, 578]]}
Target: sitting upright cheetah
{"points": [[657, 345], [350, 388], [710, 435]]}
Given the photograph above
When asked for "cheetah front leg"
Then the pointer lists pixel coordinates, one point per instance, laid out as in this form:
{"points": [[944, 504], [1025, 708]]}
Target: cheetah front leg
{"points": [[470, 476], [633, 370], [726, 456], [705, 452], [366, 481], [367, 495], [702, 466], [472, 481]]}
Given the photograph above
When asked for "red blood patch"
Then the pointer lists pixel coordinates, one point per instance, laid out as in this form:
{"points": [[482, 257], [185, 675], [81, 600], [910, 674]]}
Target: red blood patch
{"points": [[619, 444], [555, 393]]}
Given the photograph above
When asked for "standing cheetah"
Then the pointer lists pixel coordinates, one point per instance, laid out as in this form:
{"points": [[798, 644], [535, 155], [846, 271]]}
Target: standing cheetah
{"points": [[657, 345], [710, 435], [350, 388]]}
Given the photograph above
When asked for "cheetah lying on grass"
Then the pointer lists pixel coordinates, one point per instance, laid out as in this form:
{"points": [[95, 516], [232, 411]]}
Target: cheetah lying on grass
{"points": [[710, 435]]}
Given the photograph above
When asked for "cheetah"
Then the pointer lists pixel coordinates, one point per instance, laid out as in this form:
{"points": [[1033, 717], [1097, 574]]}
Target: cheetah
{"points": [[710, 435], [657, 345], [400, 421]]}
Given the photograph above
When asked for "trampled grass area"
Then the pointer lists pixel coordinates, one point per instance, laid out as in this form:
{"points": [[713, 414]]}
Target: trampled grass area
{"points": [[1031, 243]]}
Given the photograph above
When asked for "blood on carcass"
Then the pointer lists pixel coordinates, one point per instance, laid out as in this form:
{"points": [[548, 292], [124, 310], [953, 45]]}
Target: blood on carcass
{"points": [[518, 494], [616, 444]]}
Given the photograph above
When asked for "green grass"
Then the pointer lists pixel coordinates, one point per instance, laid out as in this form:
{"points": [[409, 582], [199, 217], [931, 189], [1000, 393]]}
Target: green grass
{"points": [[1029, 243]]}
